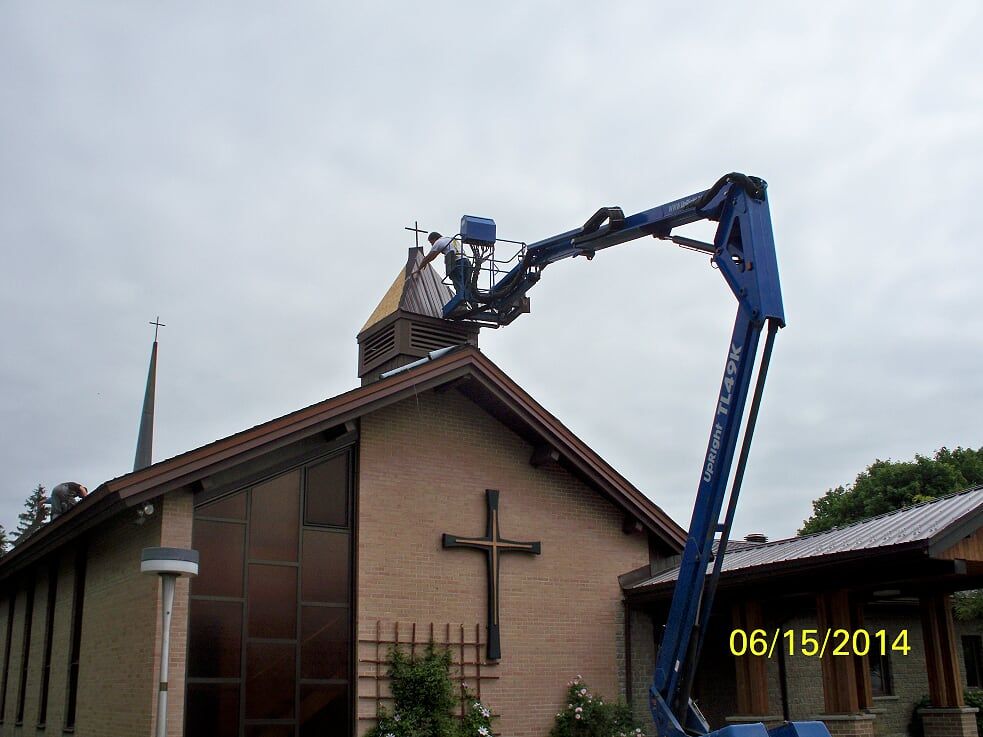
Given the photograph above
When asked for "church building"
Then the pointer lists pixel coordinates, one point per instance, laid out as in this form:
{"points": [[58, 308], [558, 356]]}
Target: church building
{"points": [[440, 502], [437, 501]]}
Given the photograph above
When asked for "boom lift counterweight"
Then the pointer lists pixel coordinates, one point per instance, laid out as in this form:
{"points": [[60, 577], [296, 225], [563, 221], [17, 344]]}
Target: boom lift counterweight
{"points": [[744, 251]]}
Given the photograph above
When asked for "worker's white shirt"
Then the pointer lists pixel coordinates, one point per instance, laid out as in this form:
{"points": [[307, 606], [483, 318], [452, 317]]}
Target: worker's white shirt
{"points": [[445, 245]]}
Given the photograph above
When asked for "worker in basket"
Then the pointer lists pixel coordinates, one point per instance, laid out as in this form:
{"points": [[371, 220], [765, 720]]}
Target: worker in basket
{"points": [[458, 267]]}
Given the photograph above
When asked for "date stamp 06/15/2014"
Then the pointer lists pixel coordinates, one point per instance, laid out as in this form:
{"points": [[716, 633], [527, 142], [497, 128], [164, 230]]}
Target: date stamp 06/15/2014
{"points": [[814, 643]]}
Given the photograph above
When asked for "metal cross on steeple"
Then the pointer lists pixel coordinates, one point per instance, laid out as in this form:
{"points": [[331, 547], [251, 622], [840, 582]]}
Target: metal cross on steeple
{"points": [[416, 229], [157, 326], [493, 545]]}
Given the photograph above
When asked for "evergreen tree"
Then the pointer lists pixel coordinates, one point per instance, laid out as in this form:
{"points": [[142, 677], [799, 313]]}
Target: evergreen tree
{"points": [[4, 542], [34, 515]]}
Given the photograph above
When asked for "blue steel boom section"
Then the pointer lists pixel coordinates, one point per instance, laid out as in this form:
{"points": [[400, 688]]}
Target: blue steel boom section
{"points": [[743, 249]]}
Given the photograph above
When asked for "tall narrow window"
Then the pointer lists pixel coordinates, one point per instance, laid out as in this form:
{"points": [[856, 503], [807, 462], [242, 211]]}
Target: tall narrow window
{"points": [[881, 681], [49, 627], [25, 652], [973, 659], [78, 599], [6, 655]]}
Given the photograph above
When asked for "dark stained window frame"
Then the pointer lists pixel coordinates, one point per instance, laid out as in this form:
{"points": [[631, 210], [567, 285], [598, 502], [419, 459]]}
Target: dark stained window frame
{"points": [[973, 660], [886, 687], [348, 446], [78, 605], [25, 660], [349, 455], [11, 601], [49, 627]]}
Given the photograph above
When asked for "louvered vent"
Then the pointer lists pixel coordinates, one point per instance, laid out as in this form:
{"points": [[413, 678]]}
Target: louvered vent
{"points": [[427, 338], [379, 344]]}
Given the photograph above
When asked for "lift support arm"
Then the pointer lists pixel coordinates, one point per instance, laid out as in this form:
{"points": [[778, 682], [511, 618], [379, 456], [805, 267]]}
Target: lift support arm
{"points": [[744, 251]]}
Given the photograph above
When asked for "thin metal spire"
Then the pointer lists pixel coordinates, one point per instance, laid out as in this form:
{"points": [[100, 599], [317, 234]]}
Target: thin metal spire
{"points": [[145, 439]]}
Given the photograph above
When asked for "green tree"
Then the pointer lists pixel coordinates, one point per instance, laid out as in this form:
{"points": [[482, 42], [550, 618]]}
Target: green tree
{"points": [[34, 515], [4, 542], [888, 485]]}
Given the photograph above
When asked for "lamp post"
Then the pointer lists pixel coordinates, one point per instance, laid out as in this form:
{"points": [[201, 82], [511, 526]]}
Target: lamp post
{"points": [[169, 563]]}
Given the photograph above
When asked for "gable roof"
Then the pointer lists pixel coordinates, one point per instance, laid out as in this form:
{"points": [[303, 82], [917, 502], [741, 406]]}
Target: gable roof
{"points": [[466, 368], [928, 528]]}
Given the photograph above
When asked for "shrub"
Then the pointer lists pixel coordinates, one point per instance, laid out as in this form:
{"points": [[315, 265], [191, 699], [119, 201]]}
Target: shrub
{"points": [[425, 698], [587, 715], [975, 698], [916, 727]]}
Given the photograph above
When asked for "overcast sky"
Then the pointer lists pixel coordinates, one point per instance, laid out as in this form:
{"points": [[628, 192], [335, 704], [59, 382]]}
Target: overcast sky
{"points": [[245, 171]]}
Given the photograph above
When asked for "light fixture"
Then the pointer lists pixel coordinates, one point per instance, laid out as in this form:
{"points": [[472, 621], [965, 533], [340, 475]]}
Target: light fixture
{"points": [[168, 563]]}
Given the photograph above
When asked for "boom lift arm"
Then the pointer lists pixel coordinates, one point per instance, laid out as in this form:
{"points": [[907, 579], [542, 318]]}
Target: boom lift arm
{"points": [[744, 251]]}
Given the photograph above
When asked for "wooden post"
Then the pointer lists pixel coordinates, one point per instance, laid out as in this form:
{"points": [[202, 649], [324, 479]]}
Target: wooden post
{"points": [[861, 664], [944, 681], [752, 673], [840, 688]]}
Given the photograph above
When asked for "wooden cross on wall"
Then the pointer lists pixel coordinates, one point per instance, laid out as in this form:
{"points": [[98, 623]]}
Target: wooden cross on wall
{"points": [[493, 545]]}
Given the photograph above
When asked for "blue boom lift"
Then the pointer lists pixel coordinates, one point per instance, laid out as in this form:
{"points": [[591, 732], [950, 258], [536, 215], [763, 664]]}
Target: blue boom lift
{"points": [[743, 250]]}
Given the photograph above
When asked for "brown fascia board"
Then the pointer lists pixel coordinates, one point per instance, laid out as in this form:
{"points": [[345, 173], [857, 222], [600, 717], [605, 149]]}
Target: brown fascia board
{"points": [[580, 455], [954, 533], [182, 470]]}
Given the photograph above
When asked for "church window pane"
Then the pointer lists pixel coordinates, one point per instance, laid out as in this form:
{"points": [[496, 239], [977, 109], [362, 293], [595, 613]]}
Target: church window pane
{"points": [[212, 710], [220, 547], [324, 642], [215, 642], [25, 652], [6, 655], [270, 680], [78, 601], [880, 675], [272, 601], [269, 730], [323, 710], [973, 659], [270, 629], [324, 571], [327, 492], [49, 627], [230, 507], [273, 517]]}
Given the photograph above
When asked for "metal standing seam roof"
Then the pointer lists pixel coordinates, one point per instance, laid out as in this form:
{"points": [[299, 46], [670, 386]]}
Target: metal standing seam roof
{"points": [[420, 292], [922, 523]]}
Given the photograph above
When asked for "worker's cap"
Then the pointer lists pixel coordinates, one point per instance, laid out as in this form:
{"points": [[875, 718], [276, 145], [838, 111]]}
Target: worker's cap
{"points": [[433, 237]]}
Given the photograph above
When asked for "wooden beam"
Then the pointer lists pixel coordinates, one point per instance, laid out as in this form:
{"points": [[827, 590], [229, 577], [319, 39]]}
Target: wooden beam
{"points": [[861, 664], [942, 663], [630, 524], [542, 454], [751, 671], [840, 688]]}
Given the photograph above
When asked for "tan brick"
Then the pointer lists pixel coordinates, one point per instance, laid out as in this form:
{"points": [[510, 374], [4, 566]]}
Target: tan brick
{"points": [[424, 465]]}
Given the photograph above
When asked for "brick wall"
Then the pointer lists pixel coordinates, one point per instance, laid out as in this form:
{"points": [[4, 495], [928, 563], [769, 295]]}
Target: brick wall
{"points": [[176, 516], [424, 466], [642, 663], [117, 677]]}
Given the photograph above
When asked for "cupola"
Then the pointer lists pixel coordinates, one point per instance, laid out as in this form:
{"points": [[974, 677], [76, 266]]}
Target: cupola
{"points": [[407, 324]]}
